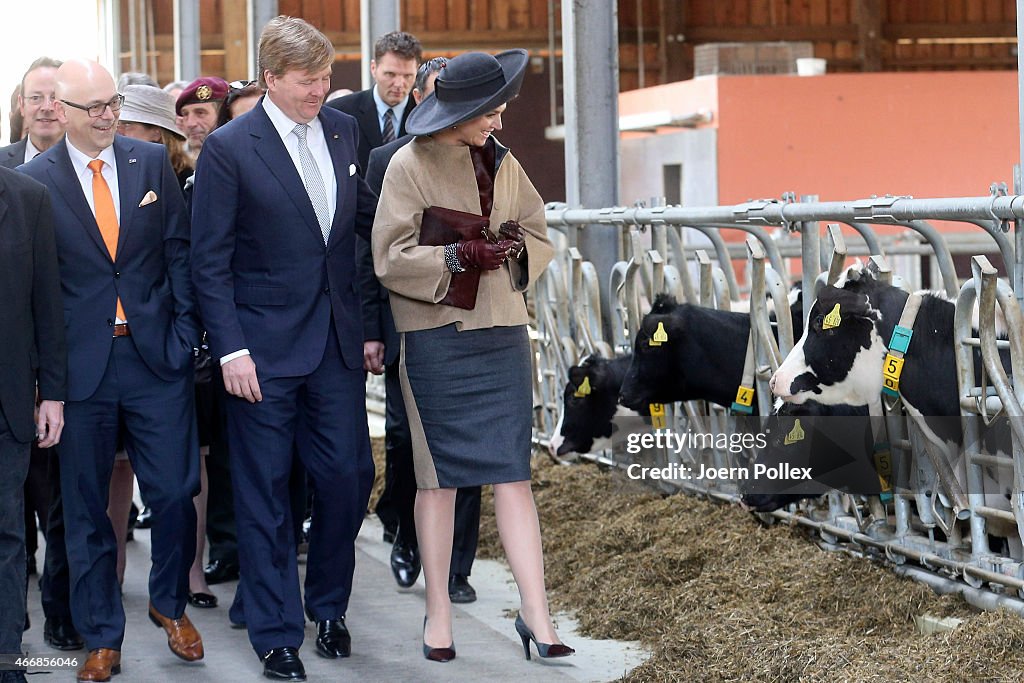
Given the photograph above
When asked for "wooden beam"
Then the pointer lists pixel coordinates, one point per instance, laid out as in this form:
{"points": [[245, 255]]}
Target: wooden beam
{"points": [[869, 19], [234, 20], [995, 29], [741, 34]]}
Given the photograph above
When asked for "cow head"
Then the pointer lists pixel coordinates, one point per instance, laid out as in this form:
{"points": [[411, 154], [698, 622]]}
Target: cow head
{"points": [[650, 378], [839, 356], [589, 402]]}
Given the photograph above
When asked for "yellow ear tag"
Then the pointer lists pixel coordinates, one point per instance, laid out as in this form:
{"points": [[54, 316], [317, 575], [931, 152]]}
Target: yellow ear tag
{"points": [[583, 389], [795, 434], [660, 336], [657, 415], [832, 319]]}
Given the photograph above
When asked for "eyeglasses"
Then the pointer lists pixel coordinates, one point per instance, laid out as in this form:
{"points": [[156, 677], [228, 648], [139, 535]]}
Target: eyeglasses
{"points": [[36, 100], [240, 85], [96, 110]]}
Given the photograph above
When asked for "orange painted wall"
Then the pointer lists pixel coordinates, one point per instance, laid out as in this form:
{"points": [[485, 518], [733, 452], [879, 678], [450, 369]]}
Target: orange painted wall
{"points": [[847, 136]]}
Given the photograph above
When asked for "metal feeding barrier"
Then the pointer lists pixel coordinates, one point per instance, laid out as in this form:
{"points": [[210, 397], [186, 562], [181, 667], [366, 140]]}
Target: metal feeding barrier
{"points": [[959, 527]]}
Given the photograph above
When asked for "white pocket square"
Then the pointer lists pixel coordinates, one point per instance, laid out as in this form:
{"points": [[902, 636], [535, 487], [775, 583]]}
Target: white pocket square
{"points": [[351, 169], [148, 199]]}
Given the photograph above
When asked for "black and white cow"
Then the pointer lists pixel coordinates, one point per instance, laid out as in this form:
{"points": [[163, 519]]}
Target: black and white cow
{"points": [[842, 364], [834, 441], [701, 360], [590, 401]]}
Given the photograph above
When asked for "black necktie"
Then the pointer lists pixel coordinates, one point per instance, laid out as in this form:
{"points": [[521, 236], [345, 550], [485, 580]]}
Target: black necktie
{"points": [[388, 134]]}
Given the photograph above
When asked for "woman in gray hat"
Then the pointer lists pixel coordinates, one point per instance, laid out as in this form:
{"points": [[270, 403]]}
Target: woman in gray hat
{"points": [[148, 114], [458, 300]]}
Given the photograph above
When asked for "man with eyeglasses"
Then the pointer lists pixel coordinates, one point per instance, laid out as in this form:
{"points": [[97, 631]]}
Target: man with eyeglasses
{"points": [[122, 235], [36, 104]]}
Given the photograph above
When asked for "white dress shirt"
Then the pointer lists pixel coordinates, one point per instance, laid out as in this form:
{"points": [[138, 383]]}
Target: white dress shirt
{"points": [[31, 151]]}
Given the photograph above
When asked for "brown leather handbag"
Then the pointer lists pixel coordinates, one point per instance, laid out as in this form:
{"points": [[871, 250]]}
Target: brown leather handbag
{"points": [[441, 226]]}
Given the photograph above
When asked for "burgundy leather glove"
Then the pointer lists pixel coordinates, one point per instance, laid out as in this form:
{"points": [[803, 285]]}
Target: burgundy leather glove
{"points": [[511, 230], [480, 253]]}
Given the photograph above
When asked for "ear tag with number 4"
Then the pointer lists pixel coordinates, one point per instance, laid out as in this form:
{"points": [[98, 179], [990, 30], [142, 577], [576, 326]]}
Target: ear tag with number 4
{"points": [[657, 415], [833, 319], [795, 434], [660, 336], [583, 389]]}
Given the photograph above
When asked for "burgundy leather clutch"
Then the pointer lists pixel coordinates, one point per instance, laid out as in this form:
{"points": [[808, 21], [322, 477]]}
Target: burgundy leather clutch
{"points": [[441, 226]]}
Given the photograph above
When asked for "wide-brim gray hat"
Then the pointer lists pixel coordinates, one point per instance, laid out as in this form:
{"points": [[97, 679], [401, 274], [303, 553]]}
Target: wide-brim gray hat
{"points": [[470, 85], [146, 104]]}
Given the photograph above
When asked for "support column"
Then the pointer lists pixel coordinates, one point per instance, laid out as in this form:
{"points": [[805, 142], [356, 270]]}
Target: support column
{"points": [[375, 19], [260, 12], [109, 23], [590, 49], [186, 40]]}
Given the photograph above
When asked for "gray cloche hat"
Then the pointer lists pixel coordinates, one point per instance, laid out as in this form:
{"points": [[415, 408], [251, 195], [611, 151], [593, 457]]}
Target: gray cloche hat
{"points": [[470, 85], [146, 104]]}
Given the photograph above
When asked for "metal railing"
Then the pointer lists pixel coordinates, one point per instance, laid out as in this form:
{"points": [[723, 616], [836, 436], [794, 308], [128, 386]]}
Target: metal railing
{"points": [[682, 251]]}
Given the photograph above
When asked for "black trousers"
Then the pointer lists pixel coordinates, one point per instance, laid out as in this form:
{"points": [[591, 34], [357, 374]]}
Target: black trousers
{"points": [[14, 459]]}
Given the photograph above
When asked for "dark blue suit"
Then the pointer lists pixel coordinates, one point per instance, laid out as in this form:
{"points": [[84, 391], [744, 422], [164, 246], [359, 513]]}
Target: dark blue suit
{"points": [[143, 381], [267, 282]]}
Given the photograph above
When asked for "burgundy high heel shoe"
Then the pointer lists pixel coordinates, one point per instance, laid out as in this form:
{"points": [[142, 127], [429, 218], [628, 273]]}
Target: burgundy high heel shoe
{"points": [[545, 650], [437, 654]]}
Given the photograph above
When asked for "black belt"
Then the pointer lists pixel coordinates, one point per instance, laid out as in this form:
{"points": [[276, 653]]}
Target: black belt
{"points": [[122, 330]]}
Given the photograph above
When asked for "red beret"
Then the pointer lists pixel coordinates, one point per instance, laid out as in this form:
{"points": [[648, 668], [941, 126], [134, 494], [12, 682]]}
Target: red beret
{"points": [[203, 89]]}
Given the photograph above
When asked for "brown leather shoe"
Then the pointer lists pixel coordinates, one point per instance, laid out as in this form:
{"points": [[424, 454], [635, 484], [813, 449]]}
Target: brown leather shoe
{"points": [[182, 637], [101, 664]]}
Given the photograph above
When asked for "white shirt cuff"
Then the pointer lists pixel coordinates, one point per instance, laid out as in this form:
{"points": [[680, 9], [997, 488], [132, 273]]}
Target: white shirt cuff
{"points": [[232, 356]]}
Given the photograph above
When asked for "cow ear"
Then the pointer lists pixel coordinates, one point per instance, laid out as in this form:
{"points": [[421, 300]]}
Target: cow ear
{"points": [[850, 304]]}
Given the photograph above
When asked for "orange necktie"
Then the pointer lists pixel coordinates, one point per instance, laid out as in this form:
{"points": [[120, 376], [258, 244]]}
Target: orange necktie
{"points": [[106, 216]]}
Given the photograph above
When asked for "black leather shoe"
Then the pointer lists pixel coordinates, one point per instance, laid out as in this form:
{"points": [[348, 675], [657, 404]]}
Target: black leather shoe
{"points": [[283, 664], [405, 563], [459, 590], [145, 519], [333, 639], [390, 534], [220, 571], [202, 600], [60, 633]]}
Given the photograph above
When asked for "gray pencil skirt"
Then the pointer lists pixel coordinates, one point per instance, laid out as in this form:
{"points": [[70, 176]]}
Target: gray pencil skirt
{"points": [[469, 400]]}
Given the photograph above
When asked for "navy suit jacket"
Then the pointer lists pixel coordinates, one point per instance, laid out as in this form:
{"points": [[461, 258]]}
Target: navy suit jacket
{"points": [[151, 273], [13, 156], [378, 322], [30, 309], [364, 109], [264, 277]]}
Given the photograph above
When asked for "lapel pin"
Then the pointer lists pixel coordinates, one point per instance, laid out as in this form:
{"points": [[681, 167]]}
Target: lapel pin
{"points": [[131, 161], [335, 136]]}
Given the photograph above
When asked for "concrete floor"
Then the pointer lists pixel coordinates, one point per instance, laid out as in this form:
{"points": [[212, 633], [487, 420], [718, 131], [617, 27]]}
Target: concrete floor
{"points": [[385, 622]]}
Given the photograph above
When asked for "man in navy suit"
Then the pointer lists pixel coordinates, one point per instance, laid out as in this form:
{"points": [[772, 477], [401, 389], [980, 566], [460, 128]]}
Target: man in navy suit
{"points": [[122, 238], [35, 363], [381, 112], [276, 210], [388, 103]]}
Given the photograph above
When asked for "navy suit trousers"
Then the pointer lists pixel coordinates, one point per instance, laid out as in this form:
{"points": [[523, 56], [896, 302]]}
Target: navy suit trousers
{"points": [[322, 418], [160, 437], [14, 459]]}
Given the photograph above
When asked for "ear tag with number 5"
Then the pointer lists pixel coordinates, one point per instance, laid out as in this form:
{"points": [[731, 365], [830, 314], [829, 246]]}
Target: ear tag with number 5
{"points": [[660, 336], [584, 388], [833, 319]]}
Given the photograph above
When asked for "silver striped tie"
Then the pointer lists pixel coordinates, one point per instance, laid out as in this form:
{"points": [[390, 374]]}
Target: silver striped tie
{"points": [[314, 182]]}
